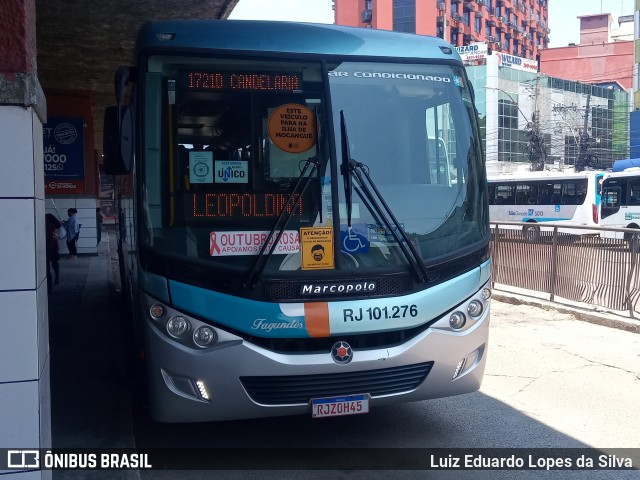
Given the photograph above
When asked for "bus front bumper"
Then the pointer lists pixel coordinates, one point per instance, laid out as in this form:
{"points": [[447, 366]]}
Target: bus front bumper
{"points": [[219, 383]]}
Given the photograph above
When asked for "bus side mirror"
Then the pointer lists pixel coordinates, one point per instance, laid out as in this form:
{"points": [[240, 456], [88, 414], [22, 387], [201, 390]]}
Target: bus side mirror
{"points": [[117, 142]]}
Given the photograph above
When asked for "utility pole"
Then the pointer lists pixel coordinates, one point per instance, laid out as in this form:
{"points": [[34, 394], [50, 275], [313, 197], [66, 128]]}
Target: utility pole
{"points": [[537, 152], [584, 140]]}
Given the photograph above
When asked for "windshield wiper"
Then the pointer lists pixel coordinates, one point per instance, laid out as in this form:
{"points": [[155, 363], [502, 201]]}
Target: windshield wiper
{"points": [[290, 205], [349, 168], [345, 168]]}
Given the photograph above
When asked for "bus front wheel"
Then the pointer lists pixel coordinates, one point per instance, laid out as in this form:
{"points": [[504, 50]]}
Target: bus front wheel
{"points": [[531, 234]]}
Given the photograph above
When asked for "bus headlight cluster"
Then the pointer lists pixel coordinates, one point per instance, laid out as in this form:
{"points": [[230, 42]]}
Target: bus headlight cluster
{"points": [[467, 313], [458, 319], [186, 330]]}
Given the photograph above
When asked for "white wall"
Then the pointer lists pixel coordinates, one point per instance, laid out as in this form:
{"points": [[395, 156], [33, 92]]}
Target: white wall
{"points": [[25, 413]]}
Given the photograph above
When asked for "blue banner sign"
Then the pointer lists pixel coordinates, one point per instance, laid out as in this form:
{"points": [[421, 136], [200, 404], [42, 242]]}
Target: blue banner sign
{"points": [[63, 148]]}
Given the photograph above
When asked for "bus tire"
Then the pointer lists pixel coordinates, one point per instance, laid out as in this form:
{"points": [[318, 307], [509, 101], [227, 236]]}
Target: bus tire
{"points": [[531, 234]]}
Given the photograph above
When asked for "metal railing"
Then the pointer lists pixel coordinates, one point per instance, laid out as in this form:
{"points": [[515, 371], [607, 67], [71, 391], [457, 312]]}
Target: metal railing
{"points": [[593, 265]]}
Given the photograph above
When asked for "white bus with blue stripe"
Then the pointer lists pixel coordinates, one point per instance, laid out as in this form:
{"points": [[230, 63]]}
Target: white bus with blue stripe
{"points": [[621, 202], [292, 239], [536, 198]]}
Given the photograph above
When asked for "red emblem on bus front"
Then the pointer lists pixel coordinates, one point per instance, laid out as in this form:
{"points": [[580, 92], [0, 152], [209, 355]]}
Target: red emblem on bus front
{"points": [[341, 353]]}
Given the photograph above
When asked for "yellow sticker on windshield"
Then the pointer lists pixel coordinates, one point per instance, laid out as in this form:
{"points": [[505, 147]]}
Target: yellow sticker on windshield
{"points": [[316, 244]]}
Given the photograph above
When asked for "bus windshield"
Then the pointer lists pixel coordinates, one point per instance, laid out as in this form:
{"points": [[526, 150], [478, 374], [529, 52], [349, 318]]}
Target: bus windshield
{"points": [[412, 127], [226, 140]]}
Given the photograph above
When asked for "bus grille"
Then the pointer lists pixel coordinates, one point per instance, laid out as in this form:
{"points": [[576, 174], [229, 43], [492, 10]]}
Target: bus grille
{"points": [[300, 389]]}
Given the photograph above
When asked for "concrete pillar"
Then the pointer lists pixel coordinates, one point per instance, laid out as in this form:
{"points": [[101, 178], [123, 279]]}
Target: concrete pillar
{"points": [[25, 414]]}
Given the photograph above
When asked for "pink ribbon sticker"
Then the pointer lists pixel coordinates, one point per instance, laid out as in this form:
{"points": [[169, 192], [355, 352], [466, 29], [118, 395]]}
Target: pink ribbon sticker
{"points": [[213, 245]]}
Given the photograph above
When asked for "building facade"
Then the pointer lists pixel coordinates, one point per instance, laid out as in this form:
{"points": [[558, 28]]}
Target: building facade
{"points": [[635, 115], [516, 27], [510, 93], [602, 57], [503, 42]]}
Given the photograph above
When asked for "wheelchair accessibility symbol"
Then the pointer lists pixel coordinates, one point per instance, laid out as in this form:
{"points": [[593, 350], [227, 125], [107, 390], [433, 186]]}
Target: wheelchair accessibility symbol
{"points": [[354, 240]]}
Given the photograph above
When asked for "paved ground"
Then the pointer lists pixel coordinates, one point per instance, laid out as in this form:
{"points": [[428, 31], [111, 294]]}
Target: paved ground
{"points": [[90, 403]]}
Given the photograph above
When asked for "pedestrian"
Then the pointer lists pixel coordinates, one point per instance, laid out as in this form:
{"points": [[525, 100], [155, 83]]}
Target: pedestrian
{"points": [[73, 232], [52, 224], [99, 219]]}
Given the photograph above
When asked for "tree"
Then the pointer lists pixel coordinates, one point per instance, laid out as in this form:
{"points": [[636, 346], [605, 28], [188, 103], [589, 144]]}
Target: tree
{"points": [[581, 162], [537, 152]]}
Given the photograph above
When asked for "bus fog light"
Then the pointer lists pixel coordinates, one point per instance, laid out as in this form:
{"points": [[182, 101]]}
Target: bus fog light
{"points": [[204, 336], [486, 293], [474, 309], [156, 311], [457, 320], [204, 394], [459, 368], [177, 326]]}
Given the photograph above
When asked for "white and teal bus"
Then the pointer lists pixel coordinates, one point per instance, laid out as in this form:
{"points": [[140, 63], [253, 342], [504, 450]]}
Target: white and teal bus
{"points": [[536, 198], [291, 241]]}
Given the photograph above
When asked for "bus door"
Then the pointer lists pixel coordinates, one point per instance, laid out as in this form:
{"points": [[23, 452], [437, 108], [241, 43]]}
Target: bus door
{"points": [[599, 184], [611, 199]]}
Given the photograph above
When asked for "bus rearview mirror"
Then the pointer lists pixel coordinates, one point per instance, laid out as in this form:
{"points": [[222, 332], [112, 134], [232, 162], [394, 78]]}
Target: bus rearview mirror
{"points": [[117, 142]]}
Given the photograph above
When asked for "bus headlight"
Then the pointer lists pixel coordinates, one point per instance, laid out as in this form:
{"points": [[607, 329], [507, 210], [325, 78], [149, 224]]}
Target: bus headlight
{"points": [[204, 336], [177, 326], [474, 309], [457, 320], [486, 294]]}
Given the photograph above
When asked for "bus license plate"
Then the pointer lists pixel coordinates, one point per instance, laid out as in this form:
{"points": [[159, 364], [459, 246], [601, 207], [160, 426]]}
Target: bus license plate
{"points": [[338, 406]]}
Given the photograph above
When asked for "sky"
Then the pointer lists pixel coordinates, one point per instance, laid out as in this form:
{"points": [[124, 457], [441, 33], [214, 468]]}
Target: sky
{"points": [[565, 27], [315, 11]]}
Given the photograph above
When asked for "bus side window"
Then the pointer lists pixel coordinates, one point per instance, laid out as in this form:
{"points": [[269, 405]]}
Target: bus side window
{"points": [[522, 194], [543, 198], [611, 197], [634, 193], [492, 194], [504, 194]]}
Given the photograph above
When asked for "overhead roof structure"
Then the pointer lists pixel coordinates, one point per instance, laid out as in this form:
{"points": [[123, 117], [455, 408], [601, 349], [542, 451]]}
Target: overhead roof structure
{"points": [[81, 43]]}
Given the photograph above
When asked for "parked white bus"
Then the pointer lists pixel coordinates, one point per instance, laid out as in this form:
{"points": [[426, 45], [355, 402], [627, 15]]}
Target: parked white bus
{"points": [[539, 197], [621, 202]]}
